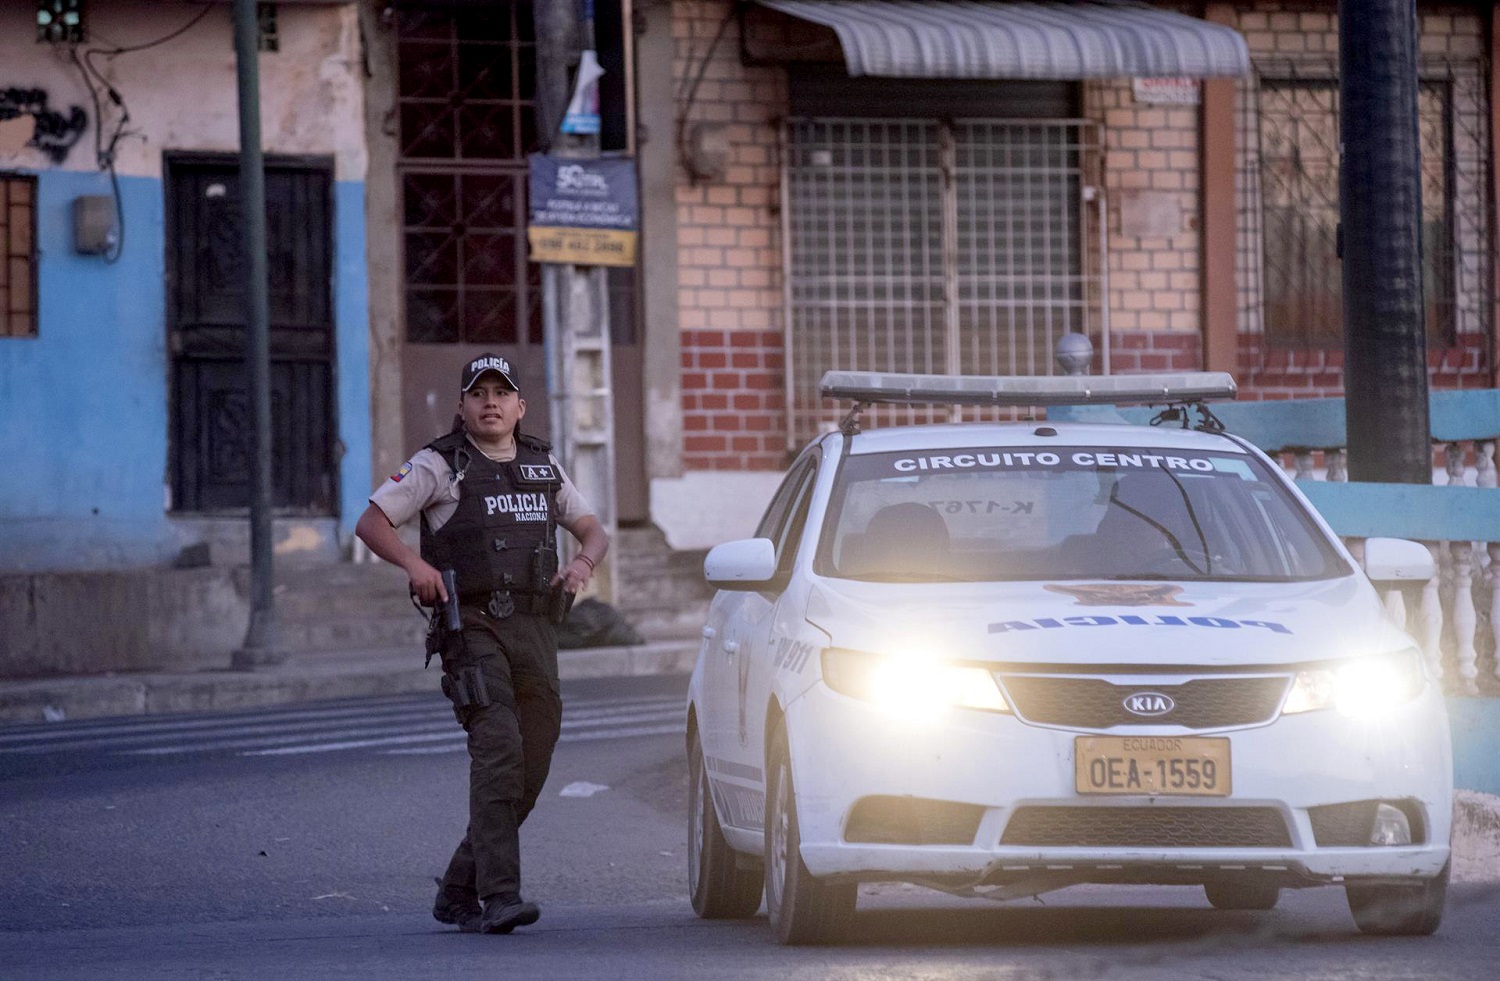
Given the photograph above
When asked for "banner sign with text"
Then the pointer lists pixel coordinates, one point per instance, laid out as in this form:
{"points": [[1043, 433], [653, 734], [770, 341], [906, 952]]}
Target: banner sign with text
{"points": [[582, 211]]}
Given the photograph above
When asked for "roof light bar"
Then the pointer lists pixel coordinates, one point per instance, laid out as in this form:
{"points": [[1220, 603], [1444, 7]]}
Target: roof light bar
{"points": [[882, 387]]}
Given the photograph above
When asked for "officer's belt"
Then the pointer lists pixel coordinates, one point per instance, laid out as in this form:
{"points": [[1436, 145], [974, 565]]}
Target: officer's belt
{"points": [[525, 602]]}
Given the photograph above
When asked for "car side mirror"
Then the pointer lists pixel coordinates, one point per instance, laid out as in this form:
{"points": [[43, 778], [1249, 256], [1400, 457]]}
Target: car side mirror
{"points": [[746, 564], [1397, 560]]}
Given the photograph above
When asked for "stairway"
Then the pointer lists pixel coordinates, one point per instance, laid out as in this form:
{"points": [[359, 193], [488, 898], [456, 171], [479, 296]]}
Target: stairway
{"points": [[344, 606]]}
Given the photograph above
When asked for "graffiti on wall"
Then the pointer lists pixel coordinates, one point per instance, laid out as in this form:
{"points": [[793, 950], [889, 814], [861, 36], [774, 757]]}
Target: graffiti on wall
{"points": [[52, 132]]}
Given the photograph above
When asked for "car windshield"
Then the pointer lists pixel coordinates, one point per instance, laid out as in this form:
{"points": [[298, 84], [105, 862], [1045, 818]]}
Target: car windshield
{"points": [[1081, 512]]}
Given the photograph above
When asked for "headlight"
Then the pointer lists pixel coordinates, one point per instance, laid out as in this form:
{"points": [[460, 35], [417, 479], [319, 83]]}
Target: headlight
{"points": [[910, 685], [1362, 687]]}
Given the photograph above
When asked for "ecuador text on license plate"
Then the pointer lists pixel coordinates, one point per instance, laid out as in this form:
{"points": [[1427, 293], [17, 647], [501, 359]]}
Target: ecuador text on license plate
{"points": [[1190, 765]]}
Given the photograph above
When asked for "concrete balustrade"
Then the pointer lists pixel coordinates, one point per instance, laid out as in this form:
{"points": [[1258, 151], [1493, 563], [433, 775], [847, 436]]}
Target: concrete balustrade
{"points": [[1455, 616]]}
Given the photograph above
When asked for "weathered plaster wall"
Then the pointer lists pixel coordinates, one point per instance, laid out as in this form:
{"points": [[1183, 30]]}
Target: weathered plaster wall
{"points": [[181, 95], [84, 405]]}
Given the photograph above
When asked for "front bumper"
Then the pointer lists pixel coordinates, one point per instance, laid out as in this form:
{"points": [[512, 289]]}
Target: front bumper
{"points": [[844, 750]]}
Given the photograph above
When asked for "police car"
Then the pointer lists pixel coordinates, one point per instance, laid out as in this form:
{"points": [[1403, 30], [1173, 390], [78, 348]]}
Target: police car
{"points": [[1003, 659]]}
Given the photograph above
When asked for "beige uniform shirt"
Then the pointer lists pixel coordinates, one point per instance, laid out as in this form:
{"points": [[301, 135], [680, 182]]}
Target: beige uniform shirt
{"points": [[427, 483]]}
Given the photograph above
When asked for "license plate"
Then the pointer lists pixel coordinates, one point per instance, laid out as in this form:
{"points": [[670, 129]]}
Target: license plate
{"points": [[1194, 766]]}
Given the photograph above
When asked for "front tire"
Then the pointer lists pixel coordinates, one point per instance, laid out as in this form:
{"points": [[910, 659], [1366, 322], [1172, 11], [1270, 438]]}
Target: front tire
{"points": [[1400, 911], [720, 889], [1242, 895], [801, 908]]}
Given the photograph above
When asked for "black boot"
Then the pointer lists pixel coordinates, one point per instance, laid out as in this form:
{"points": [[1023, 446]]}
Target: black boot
{"points": [[462, 913], [502, 914]]}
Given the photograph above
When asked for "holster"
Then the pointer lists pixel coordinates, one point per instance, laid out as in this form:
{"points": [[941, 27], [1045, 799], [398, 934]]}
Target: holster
{"points": [[465, 687]]}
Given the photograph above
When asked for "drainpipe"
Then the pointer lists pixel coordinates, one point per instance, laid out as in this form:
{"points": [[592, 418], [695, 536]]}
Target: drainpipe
{"points": [[1385, 342]]}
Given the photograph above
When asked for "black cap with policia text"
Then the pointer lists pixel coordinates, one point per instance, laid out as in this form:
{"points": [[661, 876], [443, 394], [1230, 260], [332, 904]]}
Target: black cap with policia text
{"points": [[482, 364]]}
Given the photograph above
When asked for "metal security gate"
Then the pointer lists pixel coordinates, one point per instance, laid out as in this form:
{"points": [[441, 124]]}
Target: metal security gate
{"points": [[947, 247], [1287, 188], [210, 464]]}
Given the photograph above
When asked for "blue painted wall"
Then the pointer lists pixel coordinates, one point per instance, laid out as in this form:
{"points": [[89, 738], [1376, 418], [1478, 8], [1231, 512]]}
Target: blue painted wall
{"points": [[83, 406], [351, 298], [1476, 743]]}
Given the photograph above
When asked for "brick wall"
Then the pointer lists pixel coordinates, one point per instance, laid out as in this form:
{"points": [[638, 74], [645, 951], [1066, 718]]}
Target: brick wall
{"points": [[729, 260], [1270, 372], [1154, 288], [1165, 350], [730, 302], [733, 400]]}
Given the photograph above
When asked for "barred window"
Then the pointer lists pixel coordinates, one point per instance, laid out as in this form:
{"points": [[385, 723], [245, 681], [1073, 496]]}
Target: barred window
{"points": [[17, 256], [1298, 135]]}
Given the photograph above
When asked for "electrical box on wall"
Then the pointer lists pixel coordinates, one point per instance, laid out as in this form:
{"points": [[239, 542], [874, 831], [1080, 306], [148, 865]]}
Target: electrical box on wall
{"points": [[95, 231]]}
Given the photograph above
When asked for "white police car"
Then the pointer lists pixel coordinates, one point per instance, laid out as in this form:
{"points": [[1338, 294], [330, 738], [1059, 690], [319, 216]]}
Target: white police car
{"points": [[1002, 659]]}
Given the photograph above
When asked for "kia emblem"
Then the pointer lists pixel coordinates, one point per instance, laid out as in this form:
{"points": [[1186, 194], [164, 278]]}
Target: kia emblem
{"points": [[1149, 703]]}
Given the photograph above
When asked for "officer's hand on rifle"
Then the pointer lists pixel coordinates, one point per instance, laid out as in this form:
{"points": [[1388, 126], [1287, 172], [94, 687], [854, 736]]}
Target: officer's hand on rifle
{"points": [[426, 583]]}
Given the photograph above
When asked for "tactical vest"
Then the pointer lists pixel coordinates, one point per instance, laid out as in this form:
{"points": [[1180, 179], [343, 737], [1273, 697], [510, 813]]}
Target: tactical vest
{"points": [[502, 536]]}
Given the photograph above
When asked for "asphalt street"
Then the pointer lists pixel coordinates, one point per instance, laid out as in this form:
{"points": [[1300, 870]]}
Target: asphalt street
{"points": [[302, 843]]}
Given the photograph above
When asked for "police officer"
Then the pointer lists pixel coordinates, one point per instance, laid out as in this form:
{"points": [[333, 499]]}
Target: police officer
{"points": [[488, 498]]}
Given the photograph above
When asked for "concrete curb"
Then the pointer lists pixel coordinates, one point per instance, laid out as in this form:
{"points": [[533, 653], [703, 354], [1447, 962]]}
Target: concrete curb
{"points": [[1476, 837], [301, 678]]}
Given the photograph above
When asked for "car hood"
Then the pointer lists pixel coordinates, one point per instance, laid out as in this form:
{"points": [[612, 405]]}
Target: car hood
{"points": [[1136, 623]]}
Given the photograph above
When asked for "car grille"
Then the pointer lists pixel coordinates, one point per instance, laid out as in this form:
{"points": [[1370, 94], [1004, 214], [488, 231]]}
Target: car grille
{"points": [[1092, 703], [1350, 824], [1343, 824], [912, 821], [1148, 827]]}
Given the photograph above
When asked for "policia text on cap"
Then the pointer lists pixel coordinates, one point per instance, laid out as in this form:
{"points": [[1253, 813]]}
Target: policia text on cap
{"points": [[488, 499]]}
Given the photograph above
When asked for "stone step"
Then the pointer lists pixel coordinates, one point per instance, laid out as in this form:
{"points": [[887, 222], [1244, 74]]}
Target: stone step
{"points": [[225, 542], [352, 632], [657, 583], [354, 605]]}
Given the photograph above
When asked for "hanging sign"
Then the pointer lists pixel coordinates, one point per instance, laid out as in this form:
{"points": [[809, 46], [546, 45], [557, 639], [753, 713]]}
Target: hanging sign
{"points": [[582, 117], [583, 212]]}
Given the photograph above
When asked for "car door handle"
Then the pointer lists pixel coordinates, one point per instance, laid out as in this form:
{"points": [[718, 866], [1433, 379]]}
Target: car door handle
{"points": [[731, 647]]}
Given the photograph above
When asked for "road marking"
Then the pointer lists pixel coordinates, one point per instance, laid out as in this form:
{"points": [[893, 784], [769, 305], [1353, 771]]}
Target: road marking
{"points": [[100, 727], [580, 737], [675, 729], [589, 729], [222, 744], [128, 739], [410, 721], [417, 704]]}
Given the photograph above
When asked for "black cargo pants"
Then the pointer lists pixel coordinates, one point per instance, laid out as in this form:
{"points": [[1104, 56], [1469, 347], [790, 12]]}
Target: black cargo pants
{"points": [[510, 748]]}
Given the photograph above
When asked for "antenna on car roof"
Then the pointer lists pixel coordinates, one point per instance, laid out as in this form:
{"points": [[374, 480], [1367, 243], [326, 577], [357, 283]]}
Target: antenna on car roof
{"points": [[849, 425]]}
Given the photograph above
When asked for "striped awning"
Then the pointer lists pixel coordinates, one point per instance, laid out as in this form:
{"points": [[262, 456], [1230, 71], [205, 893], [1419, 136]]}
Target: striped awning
{"points": [[995, 39]]}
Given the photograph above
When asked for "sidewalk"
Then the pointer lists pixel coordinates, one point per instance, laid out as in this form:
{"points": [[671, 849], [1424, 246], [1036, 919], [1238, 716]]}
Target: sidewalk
{"points": [[302, 677]]}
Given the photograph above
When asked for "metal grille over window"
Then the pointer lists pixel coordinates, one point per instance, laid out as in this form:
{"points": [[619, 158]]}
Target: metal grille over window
{"points": [[932, 247], [1288, 202], [467, 119], [18, 256]]}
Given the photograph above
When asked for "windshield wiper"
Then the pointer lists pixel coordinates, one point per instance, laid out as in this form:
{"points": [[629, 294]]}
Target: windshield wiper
{"points": [[1172, 539]]}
